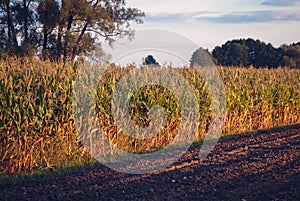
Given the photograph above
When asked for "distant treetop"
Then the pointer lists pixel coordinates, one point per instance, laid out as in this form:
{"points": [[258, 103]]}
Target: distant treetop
{"points": [[202, 57], [149, 60], [250, 52]]}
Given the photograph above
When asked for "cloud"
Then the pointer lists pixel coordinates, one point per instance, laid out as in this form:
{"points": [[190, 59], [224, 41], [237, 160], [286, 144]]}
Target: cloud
{"points": [[167, 17], [281, 2], [254, 17], [260, 16], [176, 17]]}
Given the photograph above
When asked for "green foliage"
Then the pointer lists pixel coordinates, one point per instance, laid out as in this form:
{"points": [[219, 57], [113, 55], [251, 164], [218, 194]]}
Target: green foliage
{"points": [[247, 52], [48, 13], [67, 28], [37, 122], [149, 60], [36, 116], [291, 56], [202, 57]]}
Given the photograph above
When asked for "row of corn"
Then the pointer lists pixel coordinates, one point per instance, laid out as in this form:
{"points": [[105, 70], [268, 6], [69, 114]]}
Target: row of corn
{"points": [[37, 126]]}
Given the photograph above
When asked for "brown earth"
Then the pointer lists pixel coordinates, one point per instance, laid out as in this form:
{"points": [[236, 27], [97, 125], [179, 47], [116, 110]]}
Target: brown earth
{"points": [[256, 166]]}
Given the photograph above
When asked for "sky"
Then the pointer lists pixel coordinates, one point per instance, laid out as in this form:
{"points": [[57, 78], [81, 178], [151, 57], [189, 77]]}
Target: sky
{"points": [[211, 23]]}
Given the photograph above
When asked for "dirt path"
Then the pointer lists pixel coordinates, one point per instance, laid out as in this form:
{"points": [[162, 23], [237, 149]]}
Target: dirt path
{"points": [[260, 166]]}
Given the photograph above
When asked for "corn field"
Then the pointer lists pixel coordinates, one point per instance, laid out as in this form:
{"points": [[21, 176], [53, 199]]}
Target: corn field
{"points": [[37, 122]]}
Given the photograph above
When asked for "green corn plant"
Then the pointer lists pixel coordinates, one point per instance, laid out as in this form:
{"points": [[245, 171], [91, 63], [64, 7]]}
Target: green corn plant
{"points": [[37, 122]]}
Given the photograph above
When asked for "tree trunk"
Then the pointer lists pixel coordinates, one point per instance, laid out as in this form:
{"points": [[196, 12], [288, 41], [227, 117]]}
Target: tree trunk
{"points": [[11, 30], [45, 41], [25, 7], [60, 33], [59, 42], [79, 39], [66, 41]]}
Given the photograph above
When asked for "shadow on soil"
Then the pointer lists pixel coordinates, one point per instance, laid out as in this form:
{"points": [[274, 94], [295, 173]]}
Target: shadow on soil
{"points": [[262, 165]]}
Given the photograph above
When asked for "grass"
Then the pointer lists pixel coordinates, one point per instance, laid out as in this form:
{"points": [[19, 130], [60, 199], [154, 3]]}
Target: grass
{"points": [[37, 124]]}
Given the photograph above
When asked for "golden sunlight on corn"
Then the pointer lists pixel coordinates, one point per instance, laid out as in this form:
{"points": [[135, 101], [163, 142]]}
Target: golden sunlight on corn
{"points": [[37, 122]]}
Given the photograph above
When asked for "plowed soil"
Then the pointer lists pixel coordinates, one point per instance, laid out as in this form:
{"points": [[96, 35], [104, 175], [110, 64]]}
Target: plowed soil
{"points": [[256, 166]]}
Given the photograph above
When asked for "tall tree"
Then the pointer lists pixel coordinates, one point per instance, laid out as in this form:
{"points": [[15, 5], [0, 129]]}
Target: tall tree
{"points": [[65, 28], [8, 32], [232, 53], [48, 15], [247, 52], [149, 60], [18, 27], [202, 57], [81, 22], [291, 55]]}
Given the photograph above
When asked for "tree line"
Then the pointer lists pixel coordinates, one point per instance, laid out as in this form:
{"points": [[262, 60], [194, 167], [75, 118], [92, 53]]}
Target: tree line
{"points": [[249, 52], [62, 29]]}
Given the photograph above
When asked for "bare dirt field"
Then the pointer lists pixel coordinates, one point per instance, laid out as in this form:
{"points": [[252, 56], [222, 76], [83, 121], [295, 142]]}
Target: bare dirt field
{"points": [[256, 166]]}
